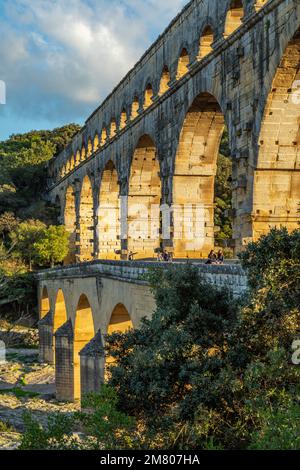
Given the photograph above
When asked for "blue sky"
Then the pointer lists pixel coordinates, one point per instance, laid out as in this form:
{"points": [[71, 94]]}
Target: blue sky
{"points": [[60, 58]]}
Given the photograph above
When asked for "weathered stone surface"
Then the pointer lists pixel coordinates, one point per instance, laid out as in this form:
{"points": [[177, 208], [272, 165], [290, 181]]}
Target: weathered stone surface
{"points": [[156, 136]]}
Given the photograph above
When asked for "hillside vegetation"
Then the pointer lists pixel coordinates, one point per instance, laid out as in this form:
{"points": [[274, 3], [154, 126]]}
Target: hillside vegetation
{"points": [[29, 235]]}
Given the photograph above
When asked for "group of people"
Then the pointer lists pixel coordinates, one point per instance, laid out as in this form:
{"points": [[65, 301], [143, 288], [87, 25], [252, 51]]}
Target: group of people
{"points": [[164, 256], [215, 258]]}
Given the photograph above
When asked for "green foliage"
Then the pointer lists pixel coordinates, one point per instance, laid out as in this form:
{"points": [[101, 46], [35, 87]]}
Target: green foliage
{"points": [[53, 245], [100, 423], [204, 373], [26, 235]]}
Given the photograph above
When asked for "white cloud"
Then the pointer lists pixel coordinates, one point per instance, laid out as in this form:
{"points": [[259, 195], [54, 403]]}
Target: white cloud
{"points": [[60, 58]]}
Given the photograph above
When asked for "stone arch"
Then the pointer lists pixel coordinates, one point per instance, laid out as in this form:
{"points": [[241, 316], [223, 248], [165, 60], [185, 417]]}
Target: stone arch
{"points": [[45, 303], [84, 331], [148, 96], [123, 119], [89, 148], [234, 17], [77, 158], [164, 81], [120, 322], [60, 311], [60, 316], [276, 187], [194, 178], [135, 108], [103, 136], [113, 128], [96, 142], [259, 4], [183, 64], [72, 163], [144, 198], [70, 223], [108, 229], [86, 220], [83, 153], [206, 41]]}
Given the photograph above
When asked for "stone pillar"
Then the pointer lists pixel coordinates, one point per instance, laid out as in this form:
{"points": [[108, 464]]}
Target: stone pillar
{"points": [[46, 354], [92, 363], [64, 369]]}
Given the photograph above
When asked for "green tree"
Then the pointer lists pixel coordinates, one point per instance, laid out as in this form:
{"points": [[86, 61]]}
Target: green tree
{"points": [[52, 246], [27, 234]]}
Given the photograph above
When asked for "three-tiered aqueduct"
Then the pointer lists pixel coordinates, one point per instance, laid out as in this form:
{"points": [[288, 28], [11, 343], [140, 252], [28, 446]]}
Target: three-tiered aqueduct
{"points": [[154, 142]]}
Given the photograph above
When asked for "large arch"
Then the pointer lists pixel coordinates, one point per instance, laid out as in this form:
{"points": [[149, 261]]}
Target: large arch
{"points": [[108, 229], [144, 199], [70, 224], [84, 332], [276, 188], [194, 178], [44, 303], [86, 213], [120, 322]]}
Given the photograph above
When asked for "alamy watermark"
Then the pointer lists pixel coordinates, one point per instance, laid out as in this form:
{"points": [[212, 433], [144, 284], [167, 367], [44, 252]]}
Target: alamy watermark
{"points": [[2, 92]]}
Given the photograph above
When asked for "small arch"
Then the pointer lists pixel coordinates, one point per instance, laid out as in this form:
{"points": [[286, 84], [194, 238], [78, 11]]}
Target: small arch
{"points": [[103, 136], [164, 81], [183, 64], [89, 148], [72, 163], [96, 142], [123, 119], [259, 4], [83, 153], [77, 158], [45, 303], [206, 41], [148, 96], [135, 108], [113, 128], [84, 332], [68, 166], [86, 223], [234, 17], [63, 172]]}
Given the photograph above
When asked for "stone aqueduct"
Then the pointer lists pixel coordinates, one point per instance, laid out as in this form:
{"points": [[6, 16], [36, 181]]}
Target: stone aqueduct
{"points": [[155, 141]]}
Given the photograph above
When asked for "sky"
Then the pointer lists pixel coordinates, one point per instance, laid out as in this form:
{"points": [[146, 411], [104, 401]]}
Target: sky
{"points": [[60, 58]]}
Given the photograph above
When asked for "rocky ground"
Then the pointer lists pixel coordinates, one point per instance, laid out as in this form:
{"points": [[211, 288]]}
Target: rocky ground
{"points": [[25, 384]]}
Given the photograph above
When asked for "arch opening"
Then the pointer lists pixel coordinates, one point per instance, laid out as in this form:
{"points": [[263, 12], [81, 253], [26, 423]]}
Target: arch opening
{"points": [[70, 224], [234, 17], [84, 332], [108, 229], [103, 136], [86, 223], [148, 96], [276, 190], [123, 119], [206, 41], [135, 108], [164, 81], [195, 193], [45, 303], [113, 128], [120, 322], [144, 198], [183, 64], [96, 142]]}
